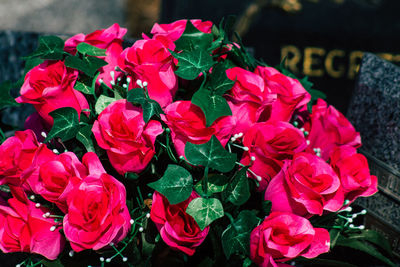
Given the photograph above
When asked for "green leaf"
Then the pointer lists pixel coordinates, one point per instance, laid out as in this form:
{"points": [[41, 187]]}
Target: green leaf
{"points": [[90, 50], [238, 191], [192, 63], [6, 100], [266, 206], [364, 247], [102, 102], [81, 87], [216, 184], [66, 124], [219, 83], [247, 262], [88, 65], [150, 107], [213, 106], [205, 210], [54, 263], [211, 154], [50, 47], [323, 262], [374, 238], [131, 175], [84, 136], [236, 237], [2, 136], [334, 235], [192, 38], [176, 184]]}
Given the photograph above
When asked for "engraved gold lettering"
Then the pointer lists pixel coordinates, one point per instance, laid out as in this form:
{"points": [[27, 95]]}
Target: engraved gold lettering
{"points": [[311, 64], [329, 63], [292, 56], [354, 63]]}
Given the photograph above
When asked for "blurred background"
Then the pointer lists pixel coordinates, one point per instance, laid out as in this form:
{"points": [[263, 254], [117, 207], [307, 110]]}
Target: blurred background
{"points": [[324, 39]]}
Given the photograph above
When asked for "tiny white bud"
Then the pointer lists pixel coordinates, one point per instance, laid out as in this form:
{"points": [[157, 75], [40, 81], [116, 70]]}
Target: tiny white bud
{"points": [[233, 139], [119, 79], [139, 82], [128, 80], [253, 158], [56, 151], [124, 259], [240, 134], [32, 197], [363, 212], [18, 265], [46, 215], [236, 136], [182, 157], [71, 253], [112, 74], [145, 84], [37, 205], [306, 133], [112, 82], [259, 178], [125, 85], [100, 80], [245, 148], [111, 244], [43, 134], [308, 142], [132, 221], [302, 129], [354, 216], [53, 228], [101, 259], [148, 215], [361, 227], [350, 220], [351, 225], [108, 260], [141, 229]]}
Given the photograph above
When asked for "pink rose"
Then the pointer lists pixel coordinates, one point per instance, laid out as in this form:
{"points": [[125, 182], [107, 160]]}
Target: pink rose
{"points": [[24, 229], [291, 95], [97, 213], [150, 61], [99, 38], [17, 153], [329, 129], [55, 177], [306, 186], [285, 236], [49, 86], [175, 29], [353, 171], [178, 229], [249, 99], [270, 143], [129, 141], [188, 124]]}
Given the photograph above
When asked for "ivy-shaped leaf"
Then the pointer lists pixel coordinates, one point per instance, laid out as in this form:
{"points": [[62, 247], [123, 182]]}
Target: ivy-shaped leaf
{"points": [[219, 82], [66, 124], [89, 65], [6, 99], [236, 237], [84, 136], [211, 154], [205, 210], [81, 87], [213, 106], [102, 102], [150, 107], [192, 63], [192, 38], [217, 183], [50, 47], [176, 184], [238, 191], [90, 50]]}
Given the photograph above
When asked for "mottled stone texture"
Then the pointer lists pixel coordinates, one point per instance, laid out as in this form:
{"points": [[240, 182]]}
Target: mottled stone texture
{"points": [[375, 109], [13, 46], [375, 112]]}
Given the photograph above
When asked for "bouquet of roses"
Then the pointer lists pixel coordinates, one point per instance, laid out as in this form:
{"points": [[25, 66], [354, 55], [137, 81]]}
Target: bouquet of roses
{"points": [[179, 145]]}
